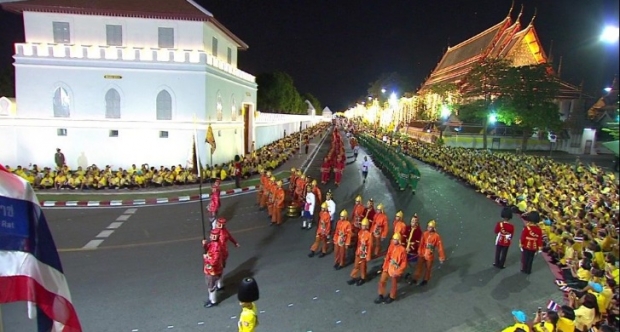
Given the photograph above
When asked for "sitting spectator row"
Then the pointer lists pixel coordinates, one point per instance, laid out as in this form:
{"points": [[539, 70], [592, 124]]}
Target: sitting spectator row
{"points": [[268, 157]]}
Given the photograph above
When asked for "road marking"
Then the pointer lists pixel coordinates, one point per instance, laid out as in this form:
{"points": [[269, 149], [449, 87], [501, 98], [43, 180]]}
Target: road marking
{"points": [[105, 233], [123, 217], [131, 211], [115, 225], [93, 244]]}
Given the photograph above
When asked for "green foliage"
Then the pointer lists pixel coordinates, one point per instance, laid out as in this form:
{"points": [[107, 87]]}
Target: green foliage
{"points": [[439, 142], [485, 78], [612, 129], [277, 94], [473, 112], [7, 82], [391, 82], [443, 90]]}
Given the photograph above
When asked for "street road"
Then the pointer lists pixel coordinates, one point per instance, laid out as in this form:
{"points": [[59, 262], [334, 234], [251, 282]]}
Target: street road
{"points": [[147, 274]]}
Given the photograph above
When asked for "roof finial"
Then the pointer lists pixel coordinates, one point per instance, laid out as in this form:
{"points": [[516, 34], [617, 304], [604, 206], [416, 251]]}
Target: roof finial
{"points": [[512, 6], [520, 13], [534, 17]]}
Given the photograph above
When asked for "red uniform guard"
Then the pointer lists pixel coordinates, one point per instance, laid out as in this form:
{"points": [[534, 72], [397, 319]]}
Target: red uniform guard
{"points": [[531, 241], [414, 236], [326, 168], [338, 170], [504, 231], [213, 266]]}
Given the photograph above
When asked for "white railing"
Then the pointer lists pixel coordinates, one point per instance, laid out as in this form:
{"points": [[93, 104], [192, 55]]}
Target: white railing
{"points": [[278, 117], [113, 53]]}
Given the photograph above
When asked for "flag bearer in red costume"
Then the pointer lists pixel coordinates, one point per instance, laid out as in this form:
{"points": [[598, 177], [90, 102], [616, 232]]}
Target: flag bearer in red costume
{"points": [[413, 238], [322, 233], [278, 204], [531, 241], [326, 168], [400, 227], [358, 215], [214, 204], [259, 188], [379, 229], [504, 231], [394, 266], [292, 182], [265, 189], [363, 254], [223, 237], [342, 240], [271, 195], [338, 170], [213, 265], [431, 242]]}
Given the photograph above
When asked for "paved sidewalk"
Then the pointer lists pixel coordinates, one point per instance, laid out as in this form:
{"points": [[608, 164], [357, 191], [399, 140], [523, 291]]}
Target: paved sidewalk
{"points": [[299, 160]]}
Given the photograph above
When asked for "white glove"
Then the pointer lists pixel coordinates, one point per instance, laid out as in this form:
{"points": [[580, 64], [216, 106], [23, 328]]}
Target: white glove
{"points": [[521, 249]]}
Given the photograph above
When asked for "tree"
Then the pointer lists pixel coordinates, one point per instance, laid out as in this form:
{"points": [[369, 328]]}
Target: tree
{"points": [[277, 94], [612, 129], [391, 82], [527, 100], [314, 101], [484, 81], [7, 82]]}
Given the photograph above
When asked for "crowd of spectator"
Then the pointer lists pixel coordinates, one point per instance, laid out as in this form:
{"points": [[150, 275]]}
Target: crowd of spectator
{"points": [[268, 157]]}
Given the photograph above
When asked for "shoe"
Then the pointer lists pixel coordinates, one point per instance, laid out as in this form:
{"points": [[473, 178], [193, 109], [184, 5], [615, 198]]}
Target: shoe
{"points": [[379, 299], [209, 304], [337, 267], [351, 281], [272, 224], [311, 254], [423, 283], [361, 282], [388, 300], [321, 255]]}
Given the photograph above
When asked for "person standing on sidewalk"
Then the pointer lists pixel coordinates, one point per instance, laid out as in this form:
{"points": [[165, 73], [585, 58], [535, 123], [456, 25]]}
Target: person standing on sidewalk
{"points": [[238, 171], [59, 159], [365, 168], [504, 231], [531, 241]]}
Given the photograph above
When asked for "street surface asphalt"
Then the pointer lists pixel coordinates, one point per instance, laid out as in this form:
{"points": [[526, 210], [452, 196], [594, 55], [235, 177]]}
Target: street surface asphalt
{"points": [[147, 275]]}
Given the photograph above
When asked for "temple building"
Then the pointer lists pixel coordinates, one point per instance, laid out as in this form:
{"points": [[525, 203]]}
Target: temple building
{"points": [[509, 40], [128, 82]]}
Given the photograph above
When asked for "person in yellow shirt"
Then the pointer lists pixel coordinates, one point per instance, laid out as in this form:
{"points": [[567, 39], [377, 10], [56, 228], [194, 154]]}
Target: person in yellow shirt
{"points": [[520, 322], [566, 323], [248, 319], [547, 322]]}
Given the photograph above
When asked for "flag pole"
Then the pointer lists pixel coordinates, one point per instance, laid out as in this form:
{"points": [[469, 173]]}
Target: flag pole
{"points": [[202, 210]]}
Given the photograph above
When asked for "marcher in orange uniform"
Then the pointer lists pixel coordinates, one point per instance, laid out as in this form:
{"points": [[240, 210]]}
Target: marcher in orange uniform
{"points": [[292, 182], [317, 192], [342, 240], [531, 241], [379, 229], [265, 188], [326, 168], [504, 231], [259, 189], [414, 236], [322, 233], [400, 227], [271, 195], [300, 187], [278, 204], [363, 254], [431, 242], [358, 215], [394, 266]]}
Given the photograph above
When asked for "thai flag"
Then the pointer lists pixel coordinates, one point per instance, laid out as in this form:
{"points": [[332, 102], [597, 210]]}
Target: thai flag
{"points": [[553, 306], [30, 268]]}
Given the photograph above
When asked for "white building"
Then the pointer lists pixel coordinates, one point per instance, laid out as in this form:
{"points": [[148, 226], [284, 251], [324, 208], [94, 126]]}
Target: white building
{"points": [[124, 82]]}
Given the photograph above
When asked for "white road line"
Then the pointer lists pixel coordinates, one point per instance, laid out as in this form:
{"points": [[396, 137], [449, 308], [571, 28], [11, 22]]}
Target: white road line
{"points": [[131, 211], [105, 233], [115, 225], [123, 217], [93, 244]]}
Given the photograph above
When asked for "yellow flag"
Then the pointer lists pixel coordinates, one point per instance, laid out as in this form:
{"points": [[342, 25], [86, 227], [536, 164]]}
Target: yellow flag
{"points": [[210, 139]]}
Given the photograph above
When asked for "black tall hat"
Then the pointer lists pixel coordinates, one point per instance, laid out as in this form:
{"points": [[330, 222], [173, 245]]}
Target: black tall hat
{"points": [[532, 216], [248, 290], [506, 213]]}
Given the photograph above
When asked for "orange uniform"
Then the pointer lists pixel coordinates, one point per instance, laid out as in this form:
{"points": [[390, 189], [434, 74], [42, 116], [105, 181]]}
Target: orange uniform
{"points": [[342, 241], [401, 228], [394, 266], [259, 189], [271, 197], [430, 243], [322, 234], [264, 189], [292, 182], [300, 185], [278, 204], [358, 215], [379, 230], [363, 255]]}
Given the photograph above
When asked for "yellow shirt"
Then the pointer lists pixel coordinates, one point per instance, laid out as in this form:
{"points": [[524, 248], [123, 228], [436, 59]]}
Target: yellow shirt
{"points": [[548, 327], [248, 320], [583, 274], [512, 328], [565, 325]]}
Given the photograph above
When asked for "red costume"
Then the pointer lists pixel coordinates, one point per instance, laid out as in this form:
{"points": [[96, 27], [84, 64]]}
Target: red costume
{"points": [[326, 168], [504, 231], [338, 170], [224, 237], [214, 204], [531, 243], [213, 260]]}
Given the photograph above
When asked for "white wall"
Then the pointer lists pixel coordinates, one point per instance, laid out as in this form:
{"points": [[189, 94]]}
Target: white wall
{"points": [[223, 43]]}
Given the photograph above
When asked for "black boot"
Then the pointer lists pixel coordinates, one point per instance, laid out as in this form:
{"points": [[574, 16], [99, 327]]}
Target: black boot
{"points": [[352, 281], [321, 255], [423, 283], [311, 254], [379, 299], [388, 300], [361, 282]]}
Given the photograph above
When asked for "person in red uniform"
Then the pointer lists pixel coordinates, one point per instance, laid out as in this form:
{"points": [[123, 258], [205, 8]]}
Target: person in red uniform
{"points": [[213, 260], [224, 237], [369, 211], [413, 238], [338, 170], [326, 168], [238, 171], [322, 233], [379, 229], [531, 241], [430, 243], [394, 266], [363, 254], [342, 240], [504, 231], [214, 204]]}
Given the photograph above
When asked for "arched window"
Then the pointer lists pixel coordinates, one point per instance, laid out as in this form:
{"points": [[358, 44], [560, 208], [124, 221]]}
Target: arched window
{"points": [[61, 103], [164, 105], [112, 104], [234, 109], [218, 108]]}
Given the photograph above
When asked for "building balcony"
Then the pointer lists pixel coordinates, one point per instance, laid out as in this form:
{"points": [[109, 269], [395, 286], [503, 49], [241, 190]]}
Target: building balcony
{"points": [[114, 53]]}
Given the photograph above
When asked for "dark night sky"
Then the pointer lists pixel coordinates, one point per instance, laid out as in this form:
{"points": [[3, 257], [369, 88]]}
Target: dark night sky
{"points": [[334, 49]]}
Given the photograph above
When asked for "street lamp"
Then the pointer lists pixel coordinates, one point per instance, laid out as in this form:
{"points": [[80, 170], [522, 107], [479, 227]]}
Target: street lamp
{"points": [[383, 90], [610, 34], [492, 118], [607, 89]]}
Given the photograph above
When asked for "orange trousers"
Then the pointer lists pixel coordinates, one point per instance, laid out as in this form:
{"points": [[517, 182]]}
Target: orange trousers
{"points": [[270, 208], [359, 268], [319, 242], [263, 200], [393, 284], [425, 264], [259, 196], [276, 216], [340, 254], [376, 243]]}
